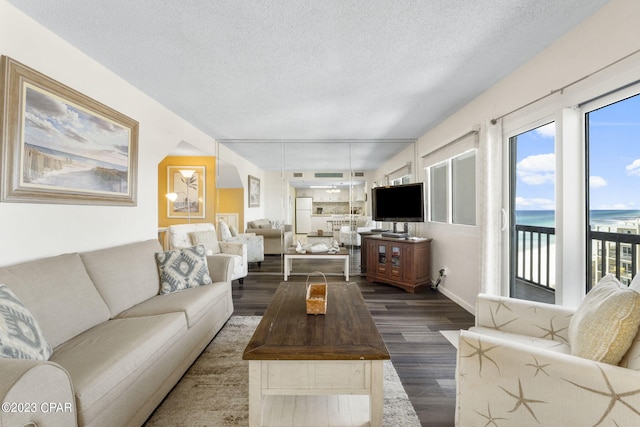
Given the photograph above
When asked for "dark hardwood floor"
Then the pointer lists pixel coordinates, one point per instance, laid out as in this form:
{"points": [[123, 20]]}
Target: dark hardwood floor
{"points": [[409, 325]]}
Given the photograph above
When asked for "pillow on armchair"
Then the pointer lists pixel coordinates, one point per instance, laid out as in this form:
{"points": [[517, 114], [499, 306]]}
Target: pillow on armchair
{"points": [[606, 322], [206, 238], [225, 231]]}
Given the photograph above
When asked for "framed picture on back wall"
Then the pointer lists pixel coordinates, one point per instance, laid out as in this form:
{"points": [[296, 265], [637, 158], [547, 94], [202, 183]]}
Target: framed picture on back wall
{"points": [[254, 192], [60, 146], [189, 190]]}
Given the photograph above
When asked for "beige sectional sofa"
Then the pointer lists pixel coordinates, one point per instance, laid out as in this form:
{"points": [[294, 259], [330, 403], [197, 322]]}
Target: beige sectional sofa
{"points": [[118, 346], [277, 239]]}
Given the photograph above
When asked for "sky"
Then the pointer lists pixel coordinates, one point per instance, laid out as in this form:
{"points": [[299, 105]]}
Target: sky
{"points": [[53, 123], [614, 165]]}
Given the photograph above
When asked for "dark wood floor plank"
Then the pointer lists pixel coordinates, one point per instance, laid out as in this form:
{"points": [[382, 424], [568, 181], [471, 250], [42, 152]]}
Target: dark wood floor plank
{"points": [[409, 324]]}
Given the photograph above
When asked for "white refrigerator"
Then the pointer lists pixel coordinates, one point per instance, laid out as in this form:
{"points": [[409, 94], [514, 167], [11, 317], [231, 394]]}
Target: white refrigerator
{"points": [[303, 215]]}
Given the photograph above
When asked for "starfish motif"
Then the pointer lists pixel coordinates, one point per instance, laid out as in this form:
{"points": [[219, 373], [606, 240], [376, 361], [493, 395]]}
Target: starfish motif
{"points": [[552, 333], [534, 308], [538, 366], [481, 352], [501, 303], [495, 325], [612, 395], [522, 401], [490, 418]]}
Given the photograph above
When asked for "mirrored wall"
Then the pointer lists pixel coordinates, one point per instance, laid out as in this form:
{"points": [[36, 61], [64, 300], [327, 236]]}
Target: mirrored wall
{"points": [[306, 194]]}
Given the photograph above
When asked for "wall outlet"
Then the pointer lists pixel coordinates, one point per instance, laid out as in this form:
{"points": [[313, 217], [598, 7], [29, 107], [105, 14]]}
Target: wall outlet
{"points": [[445, 271]]}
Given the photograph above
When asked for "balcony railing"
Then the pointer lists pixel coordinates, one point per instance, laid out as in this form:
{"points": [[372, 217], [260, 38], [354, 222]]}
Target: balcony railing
{"points": [[615, 253], [535, 262]]}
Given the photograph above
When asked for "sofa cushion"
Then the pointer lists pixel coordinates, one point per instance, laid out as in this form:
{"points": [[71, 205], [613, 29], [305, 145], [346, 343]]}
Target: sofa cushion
{"points": [[206, 238], [60, 295], [606, 322], [115, 352], [233, 230], [182, 269], [124, 275], [194, 302], [20, 334]]}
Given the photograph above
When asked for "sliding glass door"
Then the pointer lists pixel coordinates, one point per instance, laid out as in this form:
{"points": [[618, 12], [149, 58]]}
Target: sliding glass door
{"points": [[532, 233], [613, 145]]}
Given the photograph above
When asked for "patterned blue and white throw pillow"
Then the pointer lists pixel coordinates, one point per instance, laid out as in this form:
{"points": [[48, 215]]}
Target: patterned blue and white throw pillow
{"points": [[20, 335], [182, 269]]}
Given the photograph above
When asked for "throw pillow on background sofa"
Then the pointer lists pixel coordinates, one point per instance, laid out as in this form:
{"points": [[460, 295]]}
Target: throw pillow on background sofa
{"points": [[20, 335], [182, 269]]}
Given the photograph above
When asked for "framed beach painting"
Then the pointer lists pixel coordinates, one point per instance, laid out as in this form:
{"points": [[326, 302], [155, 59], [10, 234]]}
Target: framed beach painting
{"points": [[60, 146], [254, 192], [186, 185]]}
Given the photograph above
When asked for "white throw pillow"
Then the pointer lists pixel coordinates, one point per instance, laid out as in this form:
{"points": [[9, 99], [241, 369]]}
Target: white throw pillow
{"points": [[225, 233], [206, 238], [606, 322], [20, 335]]}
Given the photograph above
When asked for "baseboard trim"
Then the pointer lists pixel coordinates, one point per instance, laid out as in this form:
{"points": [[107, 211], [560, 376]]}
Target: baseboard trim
{"points": [[455, 298]]}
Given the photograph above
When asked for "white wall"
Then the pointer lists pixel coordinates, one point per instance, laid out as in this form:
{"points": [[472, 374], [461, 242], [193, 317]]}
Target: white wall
{"points": [[244, 169], [29, 231], [608, 36]]}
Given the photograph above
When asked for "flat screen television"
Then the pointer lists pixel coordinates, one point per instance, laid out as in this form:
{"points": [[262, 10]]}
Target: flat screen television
{"points": [[398, 203]]}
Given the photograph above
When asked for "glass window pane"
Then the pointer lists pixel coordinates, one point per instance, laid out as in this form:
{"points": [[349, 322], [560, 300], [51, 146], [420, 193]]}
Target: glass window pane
{"points": [[439, 189], [533, 204], [463, 192], [613, 138]]}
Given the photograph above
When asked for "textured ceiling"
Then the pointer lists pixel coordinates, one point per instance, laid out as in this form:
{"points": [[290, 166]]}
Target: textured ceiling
{"points": [[311, 70]]}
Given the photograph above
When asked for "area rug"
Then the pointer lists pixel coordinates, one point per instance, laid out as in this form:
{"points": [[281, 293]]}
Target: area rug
{"points": [[214, 390]]}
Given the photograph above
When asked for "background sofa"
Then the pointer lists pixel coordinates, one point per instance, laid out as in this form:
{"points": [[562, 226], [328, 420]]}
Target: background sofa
{"points": [[277, 238], [534, 364], [118, 347]]}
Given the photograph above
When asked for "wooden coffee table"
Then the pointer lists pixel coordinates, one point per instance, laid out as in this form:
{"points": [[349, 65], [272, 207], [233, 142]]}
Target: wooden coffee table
{"points": [[316, 367]]}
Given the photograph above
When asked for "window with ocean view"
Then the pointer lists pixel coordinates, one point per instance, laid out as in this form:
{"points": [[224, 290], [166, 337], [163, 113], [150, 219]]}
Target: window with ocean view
{"points": [[613, 141], [533, 216]]}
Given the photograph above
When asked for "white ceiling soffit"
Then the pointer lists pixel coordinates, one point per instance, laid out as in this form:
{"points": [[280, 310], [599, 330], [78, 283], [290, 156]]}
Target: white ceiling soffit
{"points": [[318, 155], [309, 69]]}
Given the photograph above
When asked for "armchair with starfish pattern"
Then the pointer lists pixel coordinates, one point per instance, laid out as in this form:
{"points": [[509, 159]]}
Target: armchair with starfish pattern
{"points": [[516, 368]]}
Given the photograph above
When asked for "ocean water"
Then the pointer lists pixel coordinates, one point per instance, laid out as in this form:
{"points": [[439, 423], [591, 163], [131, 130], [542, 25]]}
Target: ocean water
{"points": [[598, 218], [609, 218]]}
